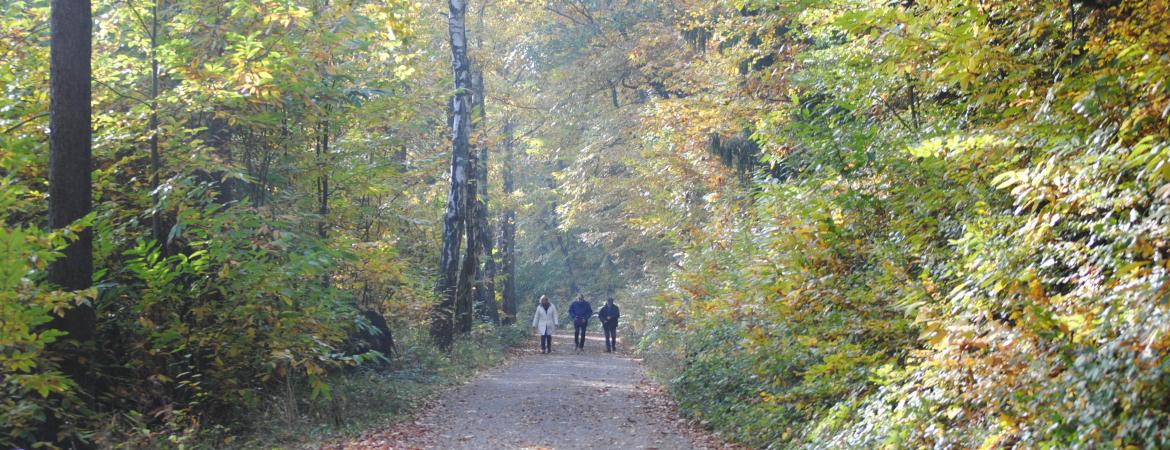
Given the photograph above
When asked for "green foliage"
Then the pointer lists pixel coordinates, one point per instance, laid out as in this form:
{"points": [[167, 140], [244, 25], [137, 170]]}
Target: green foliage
{"points": [[30, 383], [965, 245], [362, 397], [261, 273], [241, 307], [841, 224]]}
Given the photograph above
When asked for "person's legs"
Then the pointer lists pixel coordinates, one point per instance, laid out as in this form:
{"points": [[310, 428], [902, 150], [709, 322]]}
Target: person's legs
{"points": [[542, 344], [579, 333], [549, 337], [610, 339]]}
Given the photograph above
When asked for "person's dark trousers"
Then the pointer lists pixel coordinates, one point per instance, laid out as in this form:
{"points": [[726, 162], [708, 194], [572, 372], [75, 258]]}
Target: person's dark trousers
{"points": [[610, 339], [545, 343], [579, 332]]}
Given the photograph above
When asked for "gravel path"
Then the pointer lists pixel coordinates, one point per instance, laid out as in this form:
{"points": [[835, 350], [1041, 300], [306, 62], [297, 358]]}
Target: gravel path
{"points": [[564, 400]]}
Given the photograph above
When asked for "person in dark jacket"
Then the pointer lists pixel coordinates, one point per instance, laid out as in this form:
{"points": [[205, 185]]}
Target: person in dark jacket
{"points": [[609, 319], [580, 311]]}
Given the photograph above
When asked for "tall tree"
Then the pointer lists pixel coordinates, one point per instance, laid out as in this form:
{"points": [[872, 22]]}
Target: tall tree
{"points": [[485, 281], [70, 186], [508, 227], [323, 185], [442, 322], [156, 219], [470, 268]]}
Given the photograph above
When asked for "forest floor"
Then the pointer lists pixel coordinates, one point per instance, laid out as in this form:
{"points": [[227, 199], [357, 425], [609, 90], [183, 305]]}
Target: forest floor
{"points": [[562, 400]]}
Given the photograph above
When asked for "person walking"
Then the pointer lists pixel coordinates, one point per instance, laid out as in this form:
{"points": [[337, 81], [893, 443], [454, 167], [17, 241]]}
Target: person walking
{"points": [[545, 321], [580, 311], [608, 315]]}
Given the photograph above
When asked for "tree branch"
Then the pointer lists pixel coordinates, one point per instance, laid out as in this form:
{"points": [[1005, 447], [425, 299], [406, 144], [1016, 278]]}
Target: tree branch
{"points": [[25, 122]]}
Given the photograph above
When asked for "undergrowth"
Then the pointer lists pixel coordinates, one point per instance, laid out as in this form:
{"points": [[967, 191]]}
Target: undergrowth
{"points": [[360, 400]]}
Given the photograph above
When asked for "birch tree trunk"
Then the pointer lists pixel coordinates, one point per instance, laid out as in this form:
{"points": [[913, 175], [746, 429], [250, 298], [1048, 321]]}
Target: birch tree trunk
{"points": [[442, 320], [464, 303]]}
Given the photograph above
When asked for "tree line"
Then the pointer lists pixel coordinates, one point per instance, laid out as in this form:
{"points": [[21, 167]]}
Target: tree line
{"points": [[831, 224], [241, 209]]}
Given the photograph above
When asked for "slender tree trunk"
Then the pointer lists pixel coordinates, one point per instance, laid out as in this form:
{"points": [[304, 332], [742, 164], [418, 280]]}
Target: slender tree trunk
{"points": [[913, 102], [218, 136], [70, 186], [322, 179], [323, 187], [486, 288], [485, 282], [508, 228], [442, 319], [573, 288], [554, 228], [156, 219]]}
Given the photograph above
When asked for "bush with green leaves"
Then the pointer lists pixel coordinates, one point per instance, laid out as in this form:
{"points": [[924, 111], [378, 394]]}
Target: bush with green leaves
{"points": [[966, 246]]}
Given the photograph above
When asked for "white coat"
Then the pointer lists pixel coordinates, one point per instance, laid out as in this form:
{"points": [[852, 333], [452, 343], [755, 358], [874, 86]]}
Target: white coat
{"points": [[545, 321]]}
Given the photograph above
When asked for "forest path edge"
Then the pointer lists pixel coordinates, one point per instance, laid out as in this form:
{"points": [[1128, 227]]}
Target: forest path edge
{"points": [[564, 400]]}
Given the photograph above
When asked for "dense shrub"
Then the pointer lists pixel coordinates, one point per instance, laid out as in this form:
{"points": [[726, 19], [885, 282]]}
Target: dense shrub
{"points": [[967, 245]]}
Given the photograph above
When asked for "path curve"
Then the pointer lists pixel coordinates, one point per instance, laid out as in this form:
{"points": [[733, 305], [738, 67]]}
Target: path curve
{"points": [[563, 400]]}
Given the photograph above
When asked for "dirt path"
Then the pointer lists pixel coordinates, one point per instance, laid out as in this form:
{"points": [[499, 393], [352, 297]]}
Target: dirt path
{"points": [[564, 400]]}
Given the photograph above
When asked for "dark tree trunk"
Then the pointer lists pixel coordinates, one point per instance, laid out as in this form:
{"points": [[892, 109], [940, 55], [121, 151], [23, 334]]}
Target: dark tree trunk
{"points": [[70, 188], [322, 179], [573, 288], [486, 286], [485, 282], [218, 136], [442, 320], [323, 187], [554, 228], [508, 228], [156, 219]]}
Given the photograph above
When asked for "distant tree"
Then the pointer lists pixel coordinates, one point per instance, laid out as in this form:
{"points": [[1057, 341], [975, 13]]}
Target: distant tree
{"points": [[508, 228]]}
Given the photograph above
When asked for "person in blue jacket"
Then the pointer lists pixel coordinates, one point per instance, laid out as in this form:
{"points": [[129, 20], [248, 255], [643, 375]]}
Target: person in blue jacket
{"points": [[608, 315], [580, 312]]}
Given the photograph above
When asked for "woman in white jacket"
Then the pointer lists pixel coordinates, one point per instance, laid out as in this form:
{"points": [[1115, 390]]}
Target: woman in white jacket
{"points": [[545, 321]]}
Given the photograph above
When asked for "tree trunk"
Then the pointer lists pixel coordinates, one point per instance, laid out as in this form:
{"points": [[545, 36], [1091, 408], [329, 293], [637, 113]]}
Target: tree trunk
{"points": [[508, 228], [322, 179], [442, 315], [70, 186], [323, 187], [156, 219], [464, 302], [486, 286], [485, 282], [573, 288], [217, 135]]}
